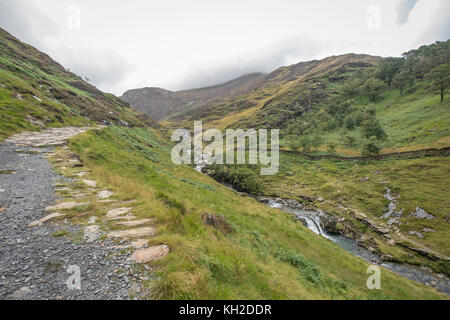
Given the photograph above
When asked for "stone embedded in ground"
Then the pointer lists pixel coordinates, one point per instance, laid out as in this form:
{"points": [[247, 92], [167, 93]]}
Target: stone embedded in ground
{"points": [[379, 229], [127, 217], [91, 233], [113, 213], [421, 214], [133, 233], [387, 257], [392, 221], [92, 220], [79, 195], [150, 254], [137, 244], [65, 206], [90, 183], [106, 201], [104, 194], [129, 201], [74, 162], [140, 243], [23, 293], [416, 233], [428, 230], [134, 223], [44, 219], [63, 189], [217, 221]]}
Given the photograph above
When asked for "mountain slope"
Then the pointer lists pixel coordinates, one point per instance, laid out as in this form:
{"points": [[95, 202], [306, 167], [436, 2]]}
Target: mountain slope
{"points": [[160, 103], [286, 94], [221, 104], [37, 92]]}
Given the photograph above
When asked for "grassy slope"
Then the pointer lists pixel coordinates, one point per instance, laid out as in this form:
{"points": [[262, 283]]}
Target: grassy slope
{"points": [[413, 121], [269, 255], [64, 99]]}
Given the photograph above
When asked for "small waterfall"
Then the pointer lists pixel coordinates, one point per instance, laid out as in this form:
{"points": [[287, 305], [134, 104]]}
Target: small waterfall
{"points": [[314, 224], [311, 218]]}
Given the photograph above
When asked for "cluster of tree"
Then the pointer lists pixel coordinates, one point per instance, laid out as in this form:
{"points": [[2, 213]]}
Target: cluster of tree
{"points": [[428, 62], [372, 133], [241, 178], [305, 142]]}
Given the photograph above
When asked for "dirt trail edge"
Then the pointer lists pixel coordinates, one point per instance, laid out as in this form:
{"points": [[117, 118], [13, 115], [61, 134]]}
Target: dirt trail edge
{"points": [[38, 258]]}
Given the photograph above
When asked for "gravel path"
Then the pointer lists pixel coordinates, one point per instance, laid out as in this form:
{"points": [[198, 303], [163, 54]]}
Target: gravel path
{"points": [[34, 263]]}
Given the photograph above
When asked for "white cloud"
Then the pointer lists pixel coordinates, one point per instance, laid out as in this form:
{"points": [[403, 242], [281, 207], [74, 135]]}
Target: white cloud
{"points": [[183, 44], [403, 10]]}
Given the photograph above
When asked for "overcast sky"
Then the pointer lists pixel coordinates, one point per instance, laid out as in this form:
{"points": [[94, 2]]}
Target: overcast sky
{"points": [[180, 44]]}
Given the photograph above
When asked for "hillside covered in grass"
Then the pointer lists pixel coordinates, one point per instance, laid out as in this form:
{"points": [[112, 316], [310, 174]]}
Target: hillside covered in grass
{"points": [[37, 92], [252, 252]]}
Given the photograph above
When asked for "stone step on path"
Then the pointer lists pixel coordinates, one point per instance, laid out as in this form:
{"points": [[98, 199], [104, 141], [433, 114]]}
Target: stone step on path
{"points": [[104, 194], [125, 217], [91, 233], [149, 254], [121, 215], [45, 219], [90, 183], [114, 213], [142, 254], [65, 206], [134, 223], [136, 244], [133, 233]]}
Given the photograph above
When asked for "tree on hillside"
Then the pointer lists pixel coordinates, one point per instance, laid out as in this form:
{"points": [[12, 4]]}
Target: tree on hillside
{"points": [[331, 147], [349, 141], [374, 128], [420, 61], [373, 88], [371, 147], [316, 141], [388, 68], [351, 88], [293, 143], [401, 80], [305, 143], [440, 76], [350, 123]]}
